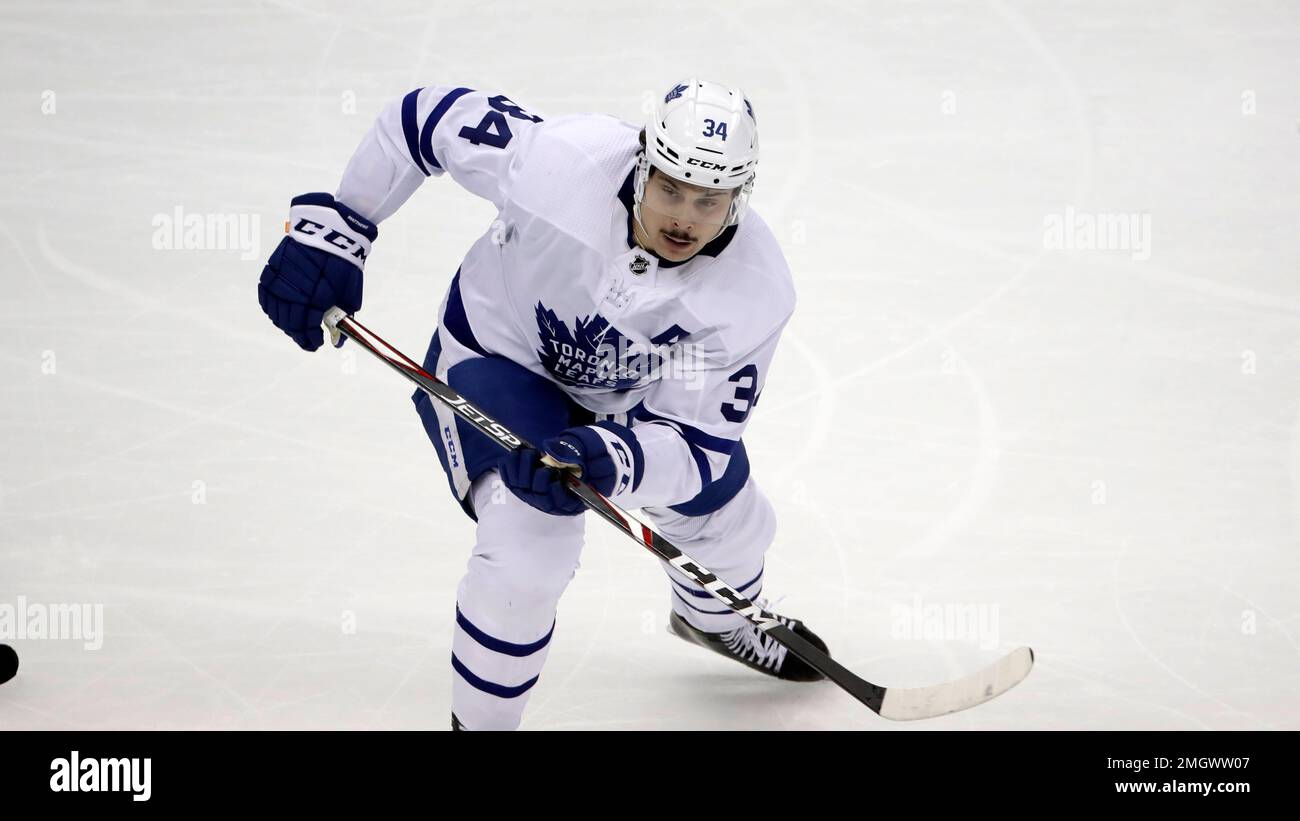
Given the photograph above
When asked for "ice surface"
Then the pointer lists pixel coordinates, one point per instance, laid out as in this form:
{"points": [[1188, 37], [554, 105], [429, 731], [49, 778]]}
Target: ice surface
{"points": [[1098, 448]]}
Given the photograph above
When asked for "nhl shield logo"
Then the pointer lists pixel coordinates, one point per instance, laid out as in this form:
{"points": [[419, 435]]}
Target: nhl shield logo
{"points": [[639, 265]]}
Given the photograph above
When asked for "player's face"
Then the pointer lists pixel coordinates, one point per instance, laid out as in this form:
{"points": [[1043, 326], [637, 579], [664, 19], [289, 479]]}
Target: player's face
{"points": [[679, 218]]}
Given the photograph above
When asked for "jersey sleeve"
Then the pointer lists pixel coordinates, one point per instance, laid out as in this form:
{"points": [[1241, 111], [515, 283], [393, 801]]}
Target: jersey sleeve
{"points": [[473, 135], [690, 424]]}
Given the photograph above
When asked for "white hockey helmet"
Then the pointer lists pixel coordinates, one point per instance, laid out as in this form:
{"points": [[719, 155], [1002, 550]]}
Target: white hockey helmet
{"points": [[704, 134]]}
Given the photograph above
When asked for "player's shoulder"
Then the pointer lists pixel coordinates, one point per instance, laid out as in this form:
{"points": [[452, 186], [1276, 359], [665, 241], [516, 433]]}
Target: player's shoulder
{"points": [[759, 254], [747, 294], [572, 171], [576, 147]]}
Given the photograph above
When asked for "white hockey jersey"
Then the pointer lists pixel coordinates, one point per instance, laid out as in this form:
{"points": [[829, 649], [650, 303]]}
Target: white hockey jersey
{"points": [[558, 284]]}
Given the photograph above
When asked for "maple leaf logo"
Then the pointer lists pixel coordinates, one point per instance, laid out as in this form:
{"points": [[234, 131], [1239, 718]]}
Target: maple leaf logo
{"points": [[591, 355]]}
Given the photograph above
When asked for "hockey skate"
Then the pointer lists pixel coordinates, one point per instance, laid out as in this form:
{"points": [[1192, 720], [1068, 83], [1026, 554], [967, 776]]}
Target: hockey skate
{"points": [[754, 648]]}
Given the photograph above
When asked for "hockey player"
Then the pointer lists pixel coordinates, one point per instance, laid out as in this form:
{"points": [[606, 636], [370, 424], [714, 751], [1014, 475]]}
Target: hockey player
{"points": [[622, 312]]}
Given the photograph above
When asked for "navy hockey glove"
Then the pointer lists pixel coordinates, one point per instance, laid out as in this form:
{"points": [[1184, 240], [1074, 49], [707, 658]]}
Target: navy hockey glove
{"points": [[538, 485], [317, 266], [584, 448]]}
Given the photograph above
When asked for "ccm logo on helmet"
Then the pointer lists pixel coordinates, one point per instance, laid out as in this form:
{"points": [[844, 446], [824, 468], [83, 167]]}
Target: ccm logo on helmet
{"points": [[705, 164]]}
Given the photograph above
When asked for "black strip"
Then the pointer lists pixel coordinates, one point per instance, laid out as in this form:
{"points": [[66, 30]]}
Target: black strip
{"points": [[334, 772]]}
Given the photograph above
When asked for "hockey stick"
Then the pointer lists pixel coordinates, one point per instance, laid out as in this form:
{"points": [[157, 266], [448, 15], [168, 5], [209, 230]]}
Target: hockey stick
{"points": [[891, 702]]}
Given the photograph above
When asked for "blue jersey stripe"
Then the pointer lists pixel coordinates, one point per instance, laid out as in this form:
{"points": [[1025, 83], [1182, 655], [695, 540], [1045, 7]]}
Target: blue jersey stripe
{"points": [[717, 494], [426, 135], [701, 462], [455, 320], [411, 128], [691, 434]]}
